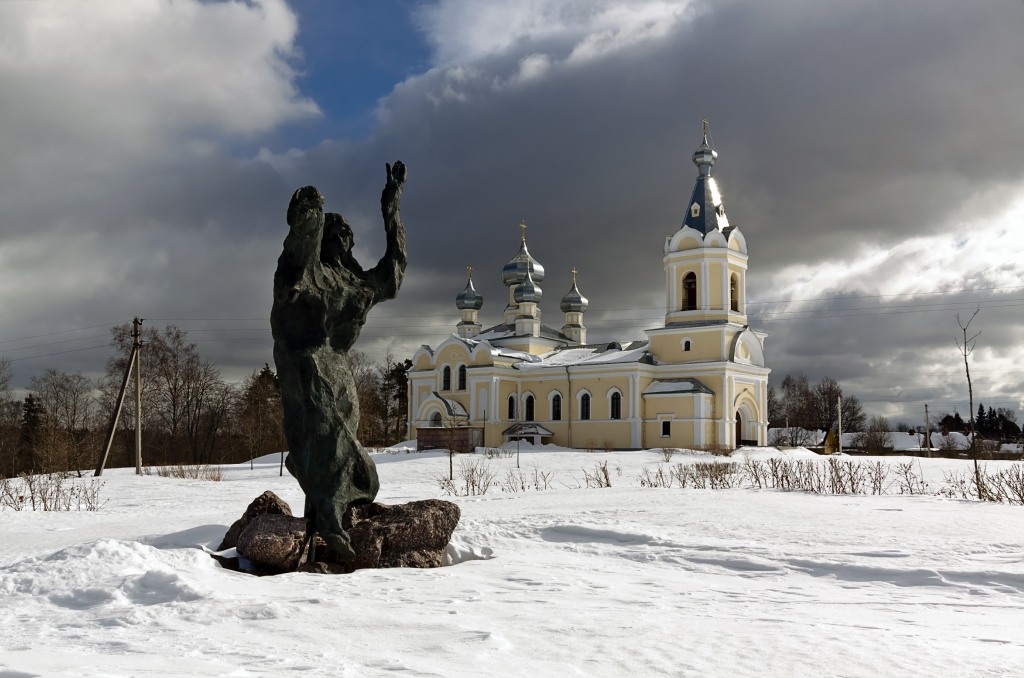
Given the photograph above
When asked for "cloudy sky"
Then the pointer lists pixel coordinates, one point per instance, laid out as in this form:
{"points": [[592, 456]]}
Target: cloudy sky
{"points": [[869, 150]]}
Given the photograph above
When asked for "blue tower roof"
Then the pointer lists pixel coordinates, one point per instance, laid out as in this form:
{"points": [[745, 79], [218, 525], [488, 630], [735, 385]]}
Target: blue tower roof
{"points": [[705, 211]]}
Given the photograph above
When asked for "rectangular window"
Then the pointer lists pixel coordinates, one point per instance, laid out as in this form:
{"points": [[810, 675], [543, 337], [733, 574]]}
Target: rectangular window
{"points": [[666, 429]]}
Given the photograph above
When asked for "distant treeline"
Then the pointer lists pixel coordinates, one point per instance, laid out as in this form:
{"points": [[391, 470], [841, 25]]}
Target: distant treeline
{"points": [[190, 414]]}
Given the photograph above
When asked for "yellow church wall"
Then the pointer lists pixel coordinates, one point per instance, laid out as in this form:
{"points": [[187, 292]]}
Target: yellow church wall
{"points": [[601, 435], [705, 344], [422, 392], [681, 434]]}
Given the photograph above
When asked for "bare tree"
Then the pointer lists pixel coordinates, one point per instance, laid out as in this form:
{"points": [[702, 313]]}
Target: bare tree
{"points": [[10, 414], [877, 438], [68, 429], [185, 402], [259, 413], [825, 398], [966, 348]]}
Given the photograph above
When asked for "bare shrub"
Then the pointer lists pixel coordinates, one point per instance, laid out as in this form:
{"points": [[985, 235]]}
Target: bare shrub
{"points": [[498, 452], [187, 472], [682, 475], [711, 475], [716, 450], [1006, 485], [847, 476], [802, 475], [908, 481], [516, 481], [50, 492], [878, 474], [667, 452], [657, 479], [599, 477], [957, 485], [756, 472], [475, 477]]}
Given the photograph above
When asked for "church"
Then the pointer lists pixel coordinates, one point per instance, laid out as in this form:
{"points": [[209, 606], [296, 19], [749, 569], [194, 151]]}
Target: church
{"points": [[697, 382]]}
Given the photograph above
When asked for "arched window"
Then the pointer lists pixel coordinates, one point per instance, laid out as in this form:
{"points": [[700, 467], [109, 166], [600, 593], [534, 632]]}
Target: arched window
{"points": [[556, 407], [462, 377], [435, 420], [511, 407], [734, 294], [529, 408], [446, 378], [686, 345], [690, 292], [585, 407], [615, 405]]}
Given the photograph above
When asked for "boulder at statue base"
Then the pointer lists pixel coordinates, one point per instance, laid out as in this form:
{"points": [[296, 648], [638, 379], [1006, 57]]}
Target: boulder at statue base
{"points": [[273, 540], [268, 502], [400, 535]]}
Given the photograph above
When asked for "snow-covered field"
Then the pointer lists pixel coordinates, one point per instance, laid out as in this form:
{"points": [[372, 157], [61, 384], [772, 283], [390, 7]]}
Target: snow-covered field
{"points": [[620, 581]]}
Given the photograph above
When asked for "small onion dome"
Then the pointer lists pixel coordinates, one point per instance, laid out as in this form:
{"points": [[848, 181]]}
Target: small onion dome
{"points": [[469, 298], [516, 270], [704, 157], [574, 302], [528, 291]]}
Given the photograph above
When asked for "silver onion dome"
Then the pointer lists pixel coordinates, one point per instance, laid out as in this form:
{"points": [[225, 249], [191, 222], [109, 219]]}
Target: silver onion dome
{"points": [[517, 268], [529, 290], [469, 298], [574, 302]]}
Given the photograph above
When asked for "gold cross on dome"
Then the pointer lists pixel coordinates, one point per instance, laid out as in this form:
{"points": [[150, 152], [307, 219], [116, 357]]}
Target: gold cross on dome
{"points": [[522, 226], [469, 271], [573, 275], [704, 122]]}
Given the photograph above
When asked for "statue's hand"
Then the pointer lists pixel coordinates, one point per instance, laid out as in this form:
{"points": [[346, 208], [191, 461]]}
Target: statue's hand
{"points": [[396, 174]]}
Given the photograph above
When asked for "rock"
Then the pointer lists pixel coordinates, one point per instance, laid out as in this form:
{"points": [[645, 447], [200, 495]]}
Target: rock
{"points": [[401, 535], [273, 540], [266, 503]]}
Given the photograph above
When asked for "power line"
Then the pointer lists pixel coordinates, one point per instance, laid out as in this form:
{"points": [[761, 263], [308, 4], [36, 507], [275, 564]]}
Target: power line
{"points": [[46, 355], [51, 334]]}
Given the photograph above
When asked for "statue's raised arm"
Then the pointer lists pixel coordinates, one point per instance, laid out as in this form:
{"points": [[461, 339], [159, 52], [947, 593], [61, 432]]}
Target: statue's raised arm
{"points": [[386, 276]]}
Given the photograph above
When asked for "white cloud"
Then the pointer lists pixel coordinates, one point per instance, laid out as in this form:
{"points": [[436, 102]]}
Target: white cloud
{"points": [[103, 83], [462, 31], [980, 255]]}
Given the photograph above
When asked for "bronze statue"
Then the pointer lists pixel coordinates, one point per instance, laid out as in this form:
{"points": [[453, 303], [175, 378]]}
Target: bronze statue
{"points": [[321, 298]]}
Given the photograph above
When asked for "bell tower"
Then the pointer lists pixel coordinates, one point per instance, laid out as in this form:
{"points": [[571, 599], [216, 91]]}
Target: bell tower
{"points": [[705, 265]]}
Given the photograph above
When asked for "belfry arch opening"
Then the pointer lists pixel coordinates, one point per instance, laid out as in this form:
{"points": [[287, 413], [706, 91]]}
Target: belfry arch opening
{"points": [[690, 292]]}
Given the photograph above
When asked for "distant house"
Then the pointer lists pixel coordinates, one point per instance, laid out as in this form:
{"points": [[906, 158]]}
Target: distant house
{"points": [[699, 380]]}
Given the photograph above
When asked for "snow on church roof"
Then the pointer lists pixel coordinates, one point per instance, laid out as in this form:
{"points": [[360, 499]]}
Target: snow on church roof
{"points": [[593, 354], [676, 386]]}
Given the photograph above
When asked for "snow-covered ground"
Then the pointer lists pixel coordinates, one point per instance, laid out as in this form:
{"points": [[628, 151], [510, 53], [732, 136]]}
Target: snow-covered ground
{"points": [[619, 581]]}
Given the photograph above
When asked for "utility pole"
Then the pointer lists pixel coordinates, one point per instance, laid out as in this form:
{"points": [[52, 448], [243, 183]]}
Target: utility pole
{"points": [[132, 360], [839, 437], [137, 352], [927, 432]]}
